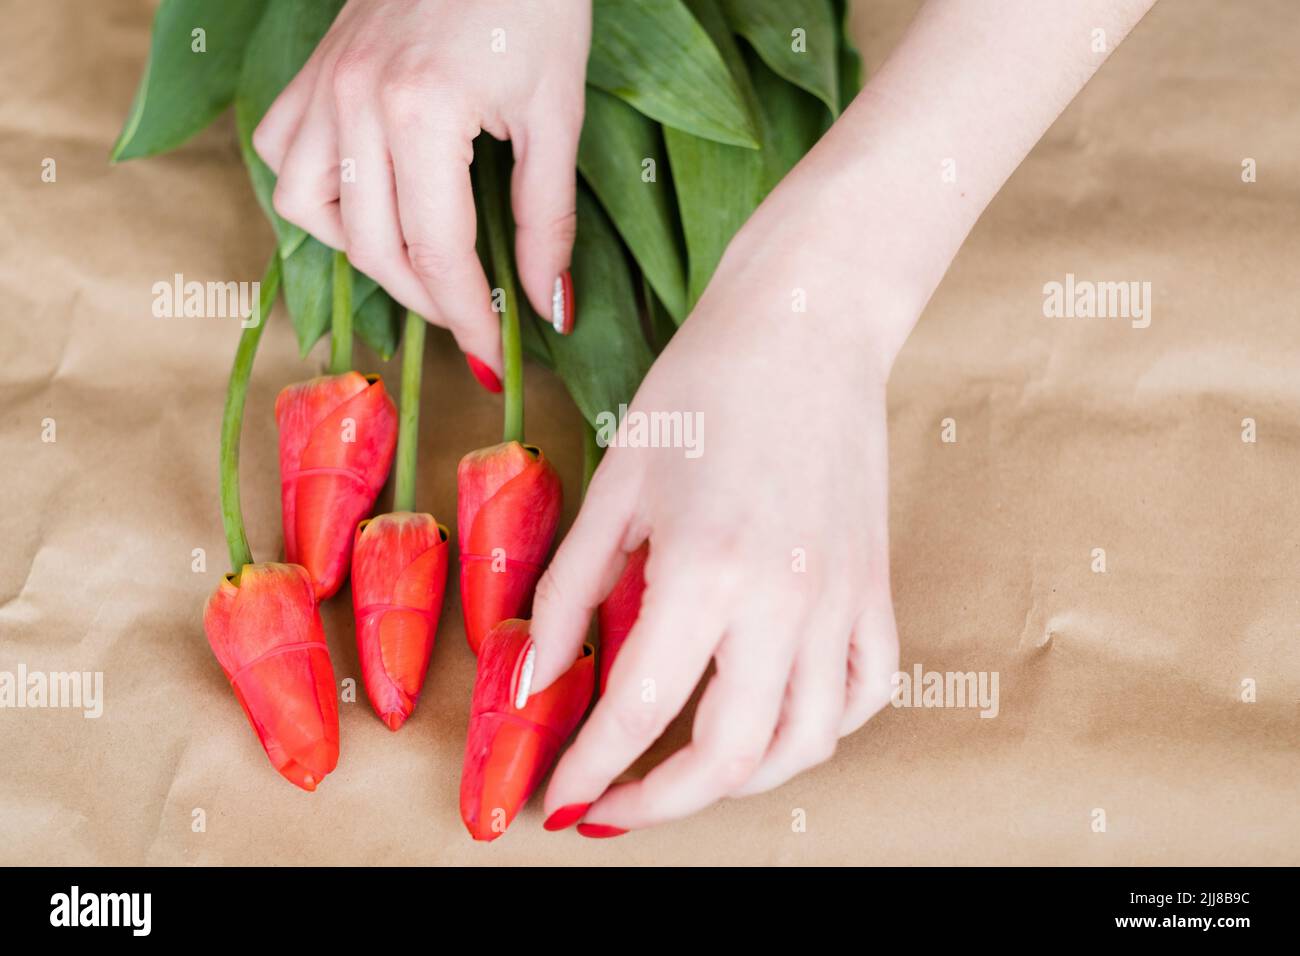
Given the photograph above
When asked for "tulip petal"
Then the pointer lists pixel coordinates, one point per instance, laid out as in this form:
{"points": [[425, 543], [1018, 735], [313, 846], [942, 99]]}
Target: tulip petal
{"points": [[508, 749], [399, 575], [509, 509], [266, 634], [337, 437]]}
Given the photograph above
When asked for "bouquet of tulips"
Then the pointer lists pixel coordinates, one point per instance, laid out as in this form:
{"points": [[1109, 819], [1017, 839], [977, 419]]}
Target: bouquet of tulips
{"points": [[695, 109]]}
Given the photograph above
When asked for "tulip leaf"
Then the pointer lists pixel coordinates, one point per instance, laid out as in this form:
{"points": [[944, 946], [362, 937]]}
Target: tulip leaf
{"points": [[377, 319], [850, 60], [654, 55], [798, 39], [195, 54], [717, 185], [533, 336], [620, 148], [605, 357], [309, 295], [289, 32], [660, 325]]}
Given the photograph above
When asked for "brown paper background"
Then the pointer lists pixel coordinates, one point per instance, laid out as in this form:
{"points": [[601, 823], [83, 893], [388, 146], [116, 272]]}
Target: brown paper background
{"points": [[1118, 691]]}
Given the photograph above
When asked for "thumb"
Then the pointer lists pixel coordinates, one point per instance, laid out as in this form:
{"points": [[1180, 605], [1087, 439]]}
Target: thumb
{"points": [[544, 191], [580, 576]]}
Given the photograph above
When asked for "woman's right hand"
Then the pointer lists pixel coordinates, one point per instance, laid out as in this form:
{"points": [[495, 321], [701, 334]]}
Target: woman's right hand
{"points": [[372, 143]]}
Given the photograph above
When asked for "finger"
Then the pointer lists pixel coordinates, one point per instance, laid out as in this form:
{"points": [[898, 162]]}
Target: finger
{"points": [[544, 190], [275, 133], [872, 663], [368, 208], [432, 149], [681, 622], [307, 191], [733, 729], [813, 708], [583, 571]]}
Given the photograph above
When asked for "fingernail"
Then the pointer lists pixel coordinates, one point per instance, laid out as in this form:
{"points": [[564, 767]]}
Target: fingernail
{"points": [[525, 677], [566, 817], [562, 303], [599, 831], [486, 377]]}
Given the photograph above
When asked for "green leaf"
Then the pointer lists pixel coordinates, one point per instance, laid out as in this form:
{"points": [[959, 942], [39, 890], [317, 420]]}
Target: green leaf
{"points": [[605, 357], [717, 185], [285, 39], [616, 142], [308, 292], [183, 90], [770, 25], [793, 121], [377, 320], [660, 326], [309, 295], [850, 60], [654, 55], [533, 335]]}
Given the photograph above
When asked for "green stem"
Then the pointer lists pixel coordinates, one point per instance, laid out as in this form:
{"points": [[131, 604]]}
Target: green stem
{"points": [[408, 422], [341, 324], [494, 190], [592, 453], [232, 420]]}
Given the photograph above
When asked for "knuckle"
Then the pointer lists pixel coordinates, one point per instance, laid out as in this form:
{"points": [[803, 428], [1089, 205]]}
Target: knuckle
{"points": [[352, 75], [560, 228], [400, 100], [261, 139], [640, 721], [549, 592], [735, 769], [287, 203], [367, 258], [431, 260], [820, 747]]}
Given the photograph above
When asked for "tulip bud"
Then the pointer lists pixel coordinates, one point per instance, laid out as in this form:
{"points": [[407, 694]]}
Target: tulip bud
{"points": [[399, 573], [337, 435], [618, 613], [509, 500], [510, 749], [266, 633]]}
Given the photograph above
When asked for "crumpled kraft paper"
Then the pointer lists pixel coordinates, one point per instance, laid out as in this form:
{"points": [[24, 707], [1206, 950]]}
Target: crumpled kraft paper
{"points": [[1121, 734]]}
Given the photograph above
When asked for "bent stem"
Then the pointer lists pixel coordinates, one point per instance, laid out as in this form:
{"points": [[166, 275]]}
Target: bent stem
{"points": [[512, 348], [232, 420], [341, 322], [408, 427]]}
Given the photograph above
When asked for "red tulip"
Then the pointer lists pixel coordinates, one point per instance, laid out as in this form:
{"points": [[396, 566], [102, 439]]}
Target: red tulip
{"points": [[510, 749], [619, 611], [266, 633], [508, 508], [337, 435], [399, 573]]}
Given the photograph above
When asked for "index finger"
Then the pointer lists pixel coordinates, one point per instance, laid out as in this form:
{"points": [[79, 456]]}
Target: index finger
{"points": [[680, 625]]}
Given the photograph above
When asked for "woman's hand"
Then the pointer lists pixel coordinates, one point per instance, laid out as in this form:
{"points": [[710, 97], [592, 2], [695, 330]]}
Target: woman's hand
{"points": [[372, 143], [769, 552]]}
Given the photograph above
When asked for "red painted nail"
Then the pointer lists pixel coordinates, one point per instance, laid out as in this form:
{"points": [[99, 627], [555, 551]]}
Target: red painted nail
{"points": [[562, 304], [486, 377], [566, 817], [599, 831]]}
